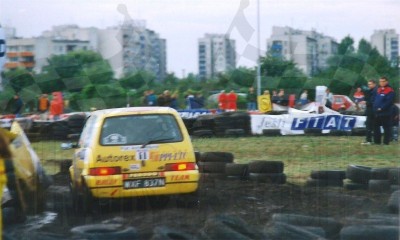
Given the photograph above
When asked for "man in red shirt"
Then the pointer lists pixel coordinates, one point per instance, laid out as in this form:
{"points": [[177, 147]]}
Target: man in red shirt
{"points": [[222, 100]]}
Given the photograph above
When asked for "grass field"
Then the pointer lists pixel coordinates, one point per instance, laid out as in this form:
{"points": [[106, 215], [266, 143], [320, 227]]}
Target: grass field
{"points": [[300, 154]]}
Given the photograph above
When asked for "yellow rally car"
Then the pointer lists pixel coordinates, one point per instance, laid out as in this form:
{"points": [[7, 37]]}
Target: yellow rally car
{"points": [[133, 152]]}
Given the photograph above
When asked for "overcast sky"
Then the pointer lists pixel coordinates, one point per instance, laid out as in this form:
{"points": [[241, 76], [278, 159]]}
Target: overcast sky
{"points": [[182, 22]]}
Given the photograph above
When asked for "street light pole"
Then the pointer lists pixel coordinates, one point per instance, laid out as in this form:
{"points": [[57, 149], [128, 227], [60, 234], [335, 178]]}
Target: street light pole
{"points": [[258, 48]]}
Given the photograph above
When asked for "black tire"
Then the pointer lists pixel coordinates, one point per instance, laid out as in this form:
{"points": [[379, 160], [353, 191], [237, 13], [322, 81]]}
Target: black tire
{"points": [[263, 166], [105, 231], [235, 132], [286, 231], [328, 174], [358, 174], [229, 227], [313, 131], [76, 121], [394, 176], [380, 173], [275, 178], [361, 131], [394, 202], [375, 185], [324, 182], [65, 165], [335, 132], [211, 167], [204, 133], [166, 233], [225, 157], [237, 170], [354, 186], [330, 225], [369, 232], [272, 132]]}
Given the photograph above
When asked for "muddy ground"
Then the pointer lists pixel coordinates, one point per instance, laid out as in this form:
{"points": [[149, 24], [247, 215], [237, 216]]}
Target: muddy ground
{"points": [[251, 201]]}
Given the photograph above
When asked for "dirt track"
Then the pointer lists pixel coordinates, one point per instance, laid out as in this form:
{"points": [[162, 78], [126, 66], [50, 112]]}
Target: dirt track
{"points": [[251, 201]]}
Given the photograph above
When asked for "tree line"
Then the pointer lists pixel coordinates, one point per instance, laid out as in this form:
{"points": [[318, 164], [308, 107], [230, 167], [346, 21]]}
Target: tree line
{"points": [[87, 80]]}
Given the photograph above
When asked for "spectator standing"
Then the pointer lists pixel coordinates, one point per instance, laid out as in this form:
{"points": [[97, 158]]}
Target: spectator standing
{"points": [[198, 101], [369, 96], [251, 100], [282, 98], [56, 105], [395, 123], [383, 111], [304, 97], [151, 98], [232, 101], [18, 106], [275, 97], [189, 100], [174, 101], [222, 100], [43, 107], [358, 97], [328, 98]]}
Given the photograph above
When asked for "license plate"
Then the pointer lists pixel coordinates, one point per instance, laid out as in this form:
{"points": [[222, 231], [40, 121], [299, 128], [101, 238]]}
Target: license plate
{"points": [[144, 183]]}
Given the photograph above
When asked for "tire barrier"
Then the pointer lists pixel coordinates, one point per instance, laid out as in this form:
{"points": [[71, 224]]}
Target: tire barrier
{"points": [[225, 157], [105, 231], [359, 131], [369, 232], [266, 167], [377, 185], [394, 202], [394, 176], [313, 131], [330, 225], [325, 178], [280, 230], [166, 233], [229, 227], [358, 174], [237, 171], [274, 178], [335, 132], [272, 132]]}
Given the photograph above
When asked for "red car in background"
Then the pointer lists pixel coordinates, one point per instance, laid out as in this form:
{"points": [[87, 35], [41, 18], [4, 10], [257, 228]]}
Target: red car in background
{"points": [[344, 103]]}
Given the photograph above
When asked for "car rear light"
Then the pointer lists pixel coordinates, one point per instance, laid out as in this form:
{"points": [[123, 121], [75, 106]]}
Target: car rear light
{"points": [[104, 171], [180, 166]]}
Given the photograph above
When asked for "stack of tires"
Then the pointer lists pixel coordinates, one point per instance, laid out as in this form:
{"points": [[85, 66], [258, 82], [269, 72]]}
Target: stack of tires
{"points": [[267, 172], [203, 126], [372, 179], [325, 178], [75, 123], [212, 165], [232, 124]]}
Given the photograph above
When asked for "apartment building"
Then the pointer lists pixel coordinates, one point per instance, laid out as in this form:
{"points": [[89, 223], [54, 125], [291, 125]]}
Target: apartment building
{"points": [[308, 49], [386, 41], [216, 54], [128, 48]]}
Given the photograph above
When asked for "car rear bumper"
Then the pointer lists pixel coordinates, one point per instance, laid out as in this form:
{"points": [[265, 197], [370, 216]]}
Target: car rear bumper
{"points": [[113, 186]]}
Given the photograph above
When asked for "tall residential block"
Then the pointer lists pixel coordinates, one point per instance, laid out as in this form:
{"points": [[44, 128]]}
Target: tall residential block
{"points": [[216, 54], [308, 49], [129, 48], [387, 43]]}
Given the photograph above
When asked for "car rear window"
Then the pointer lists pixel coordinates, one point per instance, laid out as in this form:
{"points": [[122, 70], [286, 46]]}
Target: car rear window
{"points": [[140, 129]]}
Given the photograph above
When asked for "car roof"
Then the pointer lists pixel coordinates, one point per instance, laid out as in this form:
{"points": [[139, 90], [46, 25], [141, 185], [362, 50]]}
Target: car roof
{"points": [[133, 111]]}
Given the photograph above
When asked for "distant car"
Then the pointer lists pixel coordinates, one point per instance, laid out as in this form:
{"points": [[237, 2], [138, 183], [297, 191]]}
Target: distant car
{"points": [[343, 102], [133, 152]]}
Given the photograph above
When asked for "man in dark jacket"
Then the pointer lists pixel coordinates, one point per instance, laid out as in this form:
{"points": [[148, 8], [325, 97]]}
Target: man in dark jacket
{"points": [[369, 112], [382, 107]]}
